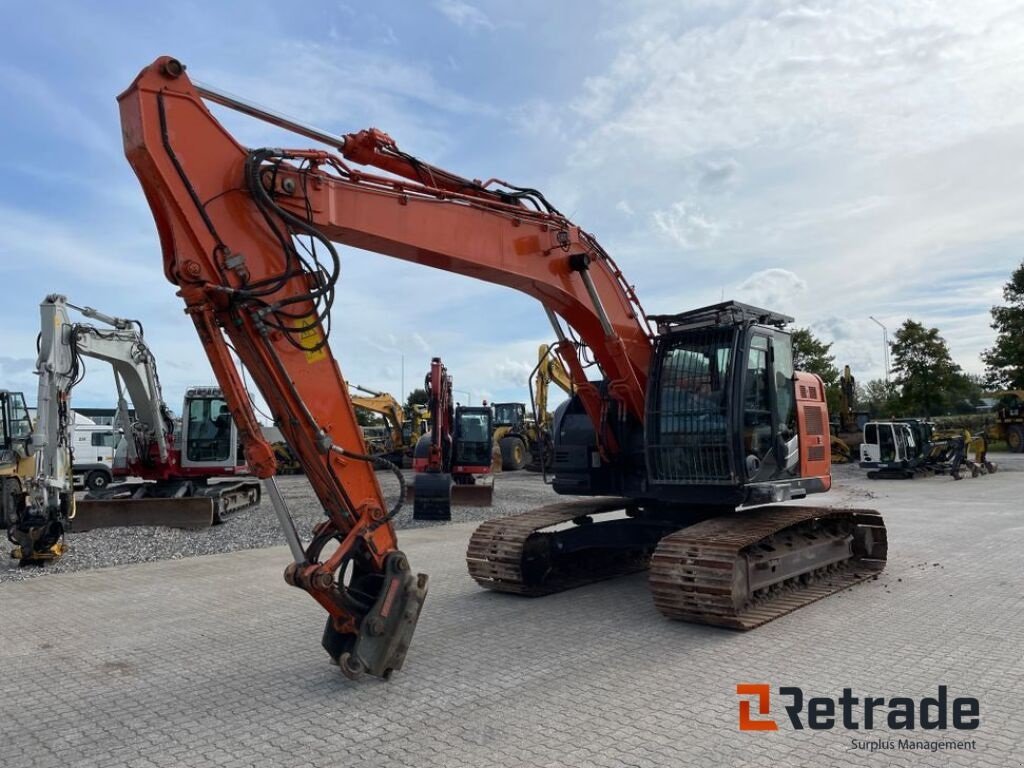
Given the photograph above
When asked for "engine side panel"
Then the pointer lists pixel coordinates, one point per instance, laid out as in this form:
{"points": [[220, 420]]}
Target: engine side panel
{"points": [[812, 425]]}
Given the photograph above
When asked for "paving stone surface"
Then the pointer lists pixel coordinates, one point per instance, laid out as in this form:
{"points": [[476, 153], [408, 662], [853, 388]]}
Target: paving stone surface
{"points": [[214, 661]]}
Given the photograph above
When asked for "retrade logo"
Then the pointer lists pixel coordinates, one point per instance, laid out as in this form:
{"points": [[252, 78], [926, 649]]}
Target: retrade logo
{"points": [[763, 694], [898, 713]]}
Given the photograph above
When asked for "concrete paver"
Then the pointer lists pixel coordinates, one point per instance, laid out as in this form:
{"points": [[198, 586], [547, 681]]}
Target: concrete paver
{"points": [[214, 661]]}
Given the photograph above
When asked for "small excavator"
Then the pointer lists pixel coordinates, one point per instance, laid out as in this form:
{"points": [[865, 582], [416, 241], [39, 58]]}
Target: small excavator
{"points": [[686, 432], [453, 458], [845, 432], [174, 461]]}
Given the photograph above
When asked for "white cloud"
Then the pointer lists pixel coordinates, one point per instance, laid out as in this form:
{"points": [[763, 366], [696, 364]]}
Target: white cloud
{"points": [[420, 342], [776, 289], [513, 372], [345, 89], [464, 15], [718, 174], [686, 225], [874, 150]]}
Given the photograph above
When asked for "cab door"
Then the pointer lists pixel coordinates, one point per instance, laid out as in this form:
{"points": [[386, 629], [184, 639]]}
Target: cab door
{"points": [[209, 435], [769, 441]]}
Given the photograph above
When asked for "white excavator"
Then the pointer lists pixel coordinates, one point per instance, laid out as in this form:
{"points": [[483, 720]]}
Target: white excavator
{"points": [[174, 459]]}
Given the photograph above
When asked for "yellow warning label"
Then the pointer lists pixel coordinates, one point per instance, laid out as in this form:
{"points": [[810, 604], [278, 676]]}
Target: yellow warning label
{"points": [[310, 338]]}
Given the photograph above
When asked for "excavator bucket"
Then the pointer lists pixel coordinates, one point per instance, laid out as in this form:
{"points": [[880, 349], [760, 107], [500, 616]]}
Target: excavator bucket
{"points": [[195, 512], [431, 494], [476, 495]]}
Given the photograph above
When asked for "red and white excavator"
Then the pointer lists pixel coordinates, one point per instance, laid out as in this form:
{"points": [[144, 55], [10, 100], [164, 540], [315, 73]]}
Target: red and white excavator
{"points": [[174, 461], [685, 430]]}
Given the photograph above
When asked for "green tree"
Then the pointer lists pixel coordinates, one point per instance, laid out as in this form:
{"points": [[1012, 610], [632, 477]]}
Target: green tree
{"points": [[1005, 360], [966, 391], [367, 418], [813, 355], [925, 373], [880, 398], [417, 397]]}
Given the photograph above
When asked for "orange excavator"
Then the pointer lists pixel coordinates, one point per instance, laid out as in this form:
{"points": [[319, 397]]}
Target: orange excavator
{"points": [[683, 422], [456, 452]]}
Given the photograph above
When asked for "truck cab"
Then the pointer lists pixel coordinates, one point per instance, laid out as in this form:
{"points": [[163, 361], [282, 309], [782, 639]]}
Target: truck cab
{"points": [[94, 446]]}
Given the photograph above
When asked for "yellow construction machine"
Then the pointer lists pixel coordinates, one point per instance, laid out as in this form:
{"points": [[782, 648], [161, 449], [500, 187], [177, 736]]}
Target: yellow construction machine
{"points": [[1009, 426], [36, 532], [385, 405], [549, 370], [846, 435]]}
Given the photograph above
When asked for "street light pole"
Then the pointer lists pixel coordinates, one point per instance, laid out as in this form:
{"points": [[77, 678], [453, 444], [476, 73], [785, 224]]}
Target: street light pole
{"points": [[469, 396], [885, 346]]}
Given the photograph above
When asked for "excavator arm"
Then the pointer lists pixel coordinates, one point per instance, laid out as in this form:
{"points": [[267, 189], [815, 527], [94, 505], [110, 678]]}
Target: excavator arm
{"points": [[248, 238], [549, 371], [384, 404], [123, 347], [37, 528]]}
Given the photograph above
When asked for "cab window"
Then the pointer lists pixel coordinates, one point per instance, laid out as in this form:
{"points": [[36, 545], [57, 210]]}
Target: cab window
{"points": [[21, 425], [103, 439], [757, 396], [785, 402], [209, 430]]}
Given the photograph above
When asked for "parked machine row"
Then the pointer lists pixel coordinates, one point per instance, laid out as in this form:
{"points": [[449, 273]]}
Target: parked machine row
{"points": [[174, 460], [906, 448]]}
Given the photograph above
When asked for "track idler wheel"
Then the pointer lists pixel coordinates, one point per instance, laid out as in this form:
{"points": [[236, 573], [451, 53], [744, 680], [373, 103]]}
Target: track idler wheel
{"points": [[432, 498]]}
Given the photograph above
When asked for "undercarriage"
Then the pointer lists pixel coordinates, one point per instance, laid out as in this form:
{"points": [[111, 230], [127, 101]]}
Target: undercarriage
{"points": [[733, 569]]}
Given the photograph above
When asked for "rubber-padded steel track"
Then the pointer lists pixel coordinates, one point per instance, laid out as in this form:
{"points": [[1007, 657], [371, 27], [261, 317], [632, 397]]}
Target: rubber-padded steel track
{"points": [[232, 497], [698, 574], [505, 554]]}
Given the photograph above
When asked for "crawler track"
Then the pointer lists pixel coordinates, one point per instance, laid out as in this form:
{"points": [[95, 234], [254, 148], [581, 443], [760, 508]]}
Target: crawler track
{"points": [[739, 570], [513, 554], [706, 573]]}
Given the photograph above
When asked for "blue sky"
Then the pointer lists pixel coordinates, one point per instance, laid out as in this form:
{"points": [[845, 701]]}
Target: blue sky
{"points": [[830, 160]]}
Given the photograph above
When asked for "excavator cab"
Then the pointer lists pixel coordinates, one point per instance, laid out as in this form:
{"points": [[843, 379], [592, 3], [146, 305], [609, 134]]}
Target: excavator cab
{"points": [[509, 415], [465, 458], [209, 436], [474, 431], [15, 462], [726, 419], [723, 406], [37, 538], [15, 427]]}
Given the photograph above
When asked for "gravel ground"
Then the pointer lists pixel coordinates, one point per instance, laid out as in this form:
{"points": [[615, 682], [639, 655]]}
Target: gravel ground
{"points": [[514, 492], [255, 528]]}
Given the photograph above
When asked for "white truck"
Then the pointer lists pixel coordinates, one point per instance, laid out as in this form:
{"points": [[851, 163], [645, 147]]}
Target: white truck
{"points": [[93, 445]]}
